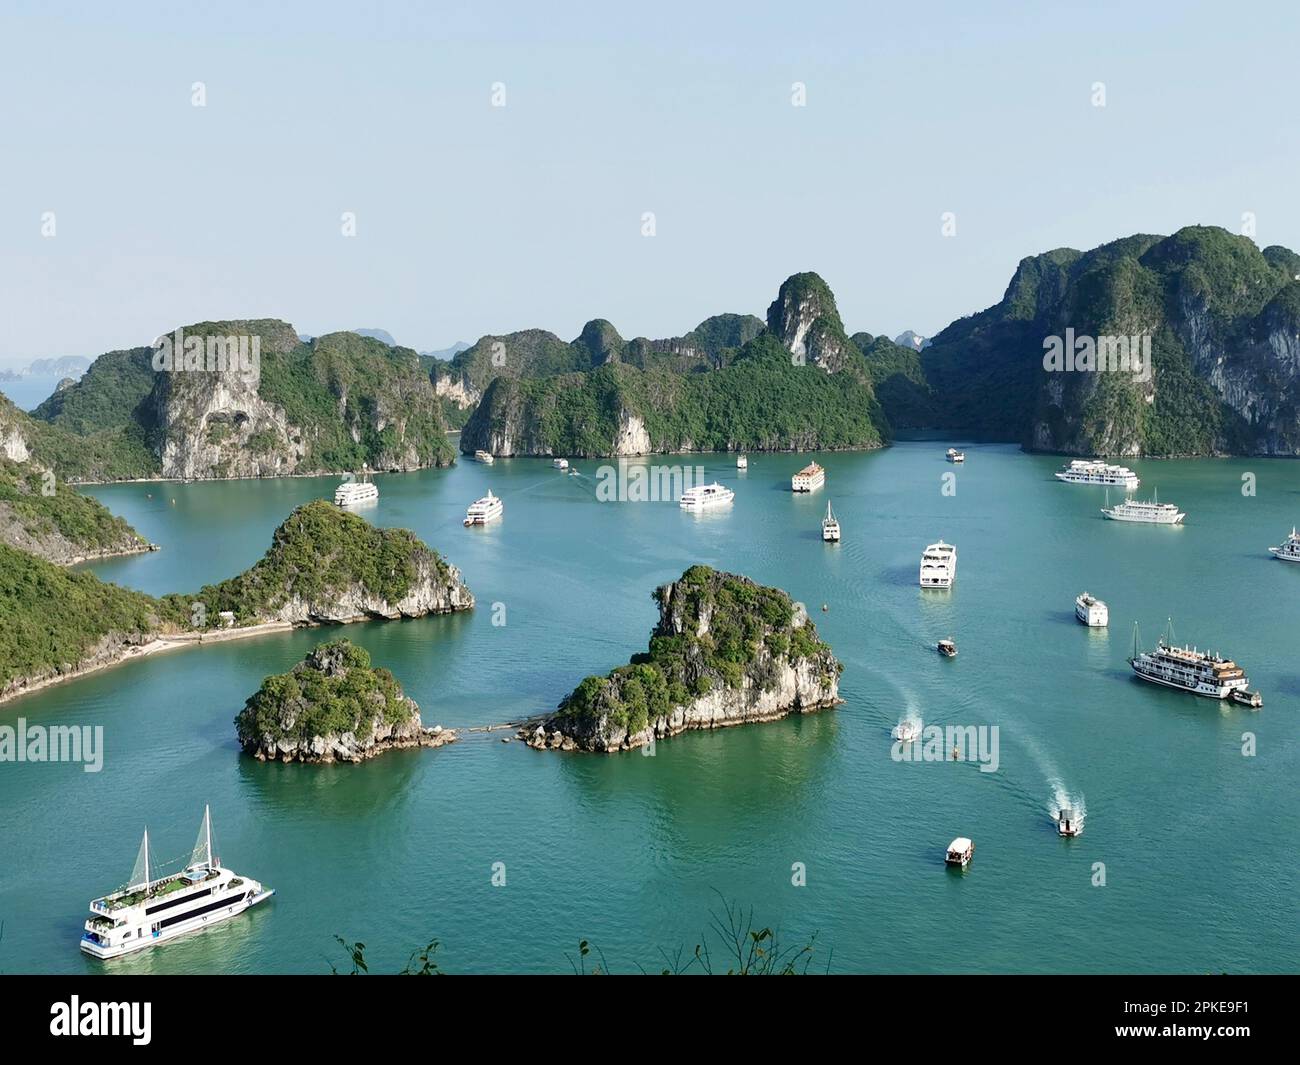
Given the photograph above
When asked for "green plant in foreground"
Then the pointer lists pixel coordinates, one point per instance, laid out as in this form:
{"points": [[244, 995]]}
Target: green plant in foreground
{"points": [[741, 950]]}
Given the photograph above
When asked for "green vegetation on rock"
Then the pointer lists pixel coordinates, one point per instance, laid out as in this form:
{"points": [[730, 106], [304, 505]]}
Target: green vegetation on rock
{"points": [[334, 691], [749, 629], [61, 526]]}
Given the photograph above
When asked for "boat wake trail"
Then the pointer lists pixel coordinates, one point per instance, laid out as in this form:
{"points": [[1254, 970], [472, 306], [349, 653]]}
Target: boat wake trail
{"points": [[1063, 800]]}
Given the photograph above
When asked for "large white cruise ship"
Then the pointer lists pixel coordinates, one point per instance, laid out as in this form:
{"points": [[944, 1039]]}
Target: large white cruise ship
{"points": [[1290, 550], [485, 510], [148, 912], [1190, 670], [938, 566], [1152, 512], [810, 478], [352, 493], [1094, 471], [706, 496]]}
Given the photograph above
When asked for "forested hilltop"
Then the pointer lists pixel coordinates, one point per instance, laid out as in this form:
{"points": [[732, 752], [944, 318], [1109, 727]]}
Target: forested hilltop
{"points": [[732, 384], [1223, 319], [285, 406]]}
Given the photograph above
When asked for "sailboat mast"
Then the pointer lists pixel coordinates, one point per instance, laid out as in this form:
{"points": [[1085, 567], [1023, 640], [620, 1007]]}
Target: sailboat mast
{"points": [[146, 859], [207, 827]]}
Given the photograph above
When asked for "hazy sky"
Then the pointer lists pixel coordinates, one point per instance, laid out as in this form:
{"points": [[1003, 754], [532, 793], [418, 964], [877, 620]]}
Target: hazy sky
{"points": [[472, 218]]}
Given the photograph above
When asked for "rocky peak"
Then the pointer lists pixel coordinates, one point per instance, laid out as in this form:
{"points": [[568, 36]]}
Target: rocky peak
{"points": [[806, 321], [601, 341]]}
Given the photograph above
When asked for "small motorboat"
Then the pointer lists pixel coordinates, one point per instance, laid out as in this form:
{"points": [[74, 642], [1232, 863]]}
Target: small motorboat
{"points": [[1067, 823], [907, 731], [742, 462], [960, 852], [560, 464], [955, 456], [947, 648], [1251, 699]]}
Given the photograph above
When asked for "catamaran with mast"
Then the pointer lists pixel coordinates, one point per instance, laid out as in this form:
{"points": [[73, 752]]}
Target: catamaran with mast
{"points": [[151, 911]]}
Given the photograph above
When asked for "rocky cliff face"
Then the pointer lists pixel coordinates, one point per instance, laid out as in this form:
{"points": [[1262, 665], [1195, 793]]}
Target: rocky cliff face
{"points": [[333, 707], [13, 437], [212, 422], [806, 321], [1219, 318], [685, 683], [433, 590]]}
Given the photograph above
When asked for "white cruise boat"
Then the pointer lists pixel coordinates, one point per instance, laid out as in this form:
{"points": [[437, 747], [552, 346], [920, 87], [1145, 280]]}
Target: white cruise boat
{"points": [[484, 457], [742, 462], [485, 510], [353, 493], [809, 479], [560, 464], [1290, 550], [706, 497], [1190, 670], [1094, 471], [938, 566], [955, 456], [1091, 611], [148, 912], [1149, 512], [830, 526]]}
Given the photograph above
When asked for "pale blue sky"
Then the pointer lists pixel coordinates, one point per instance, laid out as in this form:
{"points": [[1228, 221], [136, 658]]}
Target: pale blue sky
{"points": [[474, 219]]}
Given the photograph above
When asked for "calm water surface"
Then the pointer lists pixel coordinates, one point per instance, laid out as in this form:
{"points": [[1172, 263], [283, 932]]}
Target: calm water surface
{"points": [[631, 852]]}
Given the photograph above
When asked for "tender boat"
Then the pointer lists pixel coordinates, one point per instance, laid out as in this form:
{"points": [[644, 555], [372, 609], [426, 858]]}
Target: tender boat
{"points": [[560, 464], [353, 493], [706, 497], [149, 912], [947, 648], [1290, 550], [938, 566], [907, 731], [1190, 670], [1091, 611], [485, 510], [830, 527], [484, 457], [1067, 823], [1094, 471], [960, 852], [742, 462], [955, 456], [809, 479]]}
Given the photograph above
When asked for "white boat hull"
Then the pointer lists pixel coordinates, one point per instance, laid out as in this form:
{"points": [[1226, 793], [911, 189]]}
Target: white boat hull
{"points": [[182, 928], [1283, 556], [1209, 691]]}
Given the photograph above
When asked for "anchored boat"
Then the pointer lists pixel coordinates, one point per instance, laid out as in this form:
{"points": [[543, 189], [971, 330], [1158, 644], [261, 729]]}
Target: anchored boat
{"points": [[352, 492], [1190, 670], [960, 852], [1289, 551], [938, 566], [148, 911], [706, 496], [955, 456], [830, 526], [485, 510], [1091, 611], [809, 479], [1094, 471]]}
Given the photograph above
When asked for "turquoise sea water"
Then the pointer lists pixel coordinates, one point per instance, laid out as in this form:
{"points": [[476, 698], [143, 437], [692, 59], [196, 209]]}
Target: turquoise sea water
{"points": [[632, 852]]}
